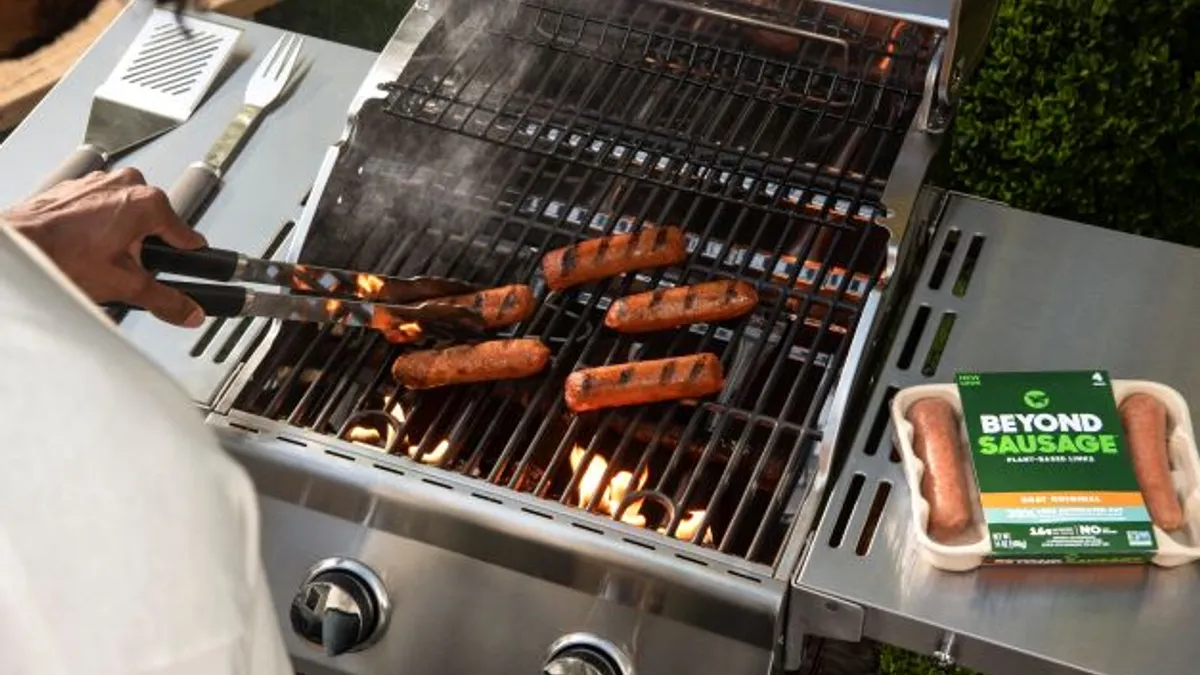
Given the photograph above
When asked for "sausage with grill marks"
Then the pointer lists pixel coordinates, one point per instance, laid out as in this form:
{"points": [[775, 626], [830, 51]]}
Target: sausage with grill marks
{"points": [[669, 308], [463, 364], [499, 307], [644, 382], [605, 257], [1145, 421], [938, 444]]}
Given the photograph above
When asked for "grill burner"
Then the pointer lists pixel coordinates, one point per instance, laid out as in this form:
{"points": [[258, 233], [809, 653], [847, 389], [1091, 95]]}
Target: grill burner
{"points": [[507, 138]]}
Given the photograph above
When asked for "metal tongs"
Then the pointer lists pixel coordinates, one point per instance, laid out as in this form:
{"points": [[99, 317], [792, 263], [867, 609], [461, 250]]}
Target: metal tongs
{"points": [[330, 295]]}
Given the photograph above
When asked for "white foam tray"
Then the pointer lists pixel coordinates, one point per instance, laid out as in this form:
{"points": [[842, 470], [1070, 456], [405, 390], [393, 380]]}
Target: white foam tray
{"points": [[968, 552]]}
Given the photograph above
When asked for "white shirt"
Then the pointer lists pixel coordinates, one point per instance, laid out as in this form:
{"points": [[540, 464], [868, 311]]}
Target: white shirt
{"points": [[129, 540]]}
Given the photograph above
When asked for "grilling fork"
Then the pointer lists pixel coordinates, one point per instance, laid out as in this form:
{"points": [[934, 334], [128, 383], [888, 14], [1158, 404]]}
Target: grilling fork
{"points": [[272, 76], [343, 297]]}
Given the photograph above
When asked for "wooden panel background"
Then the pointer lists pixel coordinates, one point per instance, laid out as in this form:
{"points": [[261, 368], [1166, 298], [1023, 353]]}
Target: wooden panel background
{"points": [[24, 81]]}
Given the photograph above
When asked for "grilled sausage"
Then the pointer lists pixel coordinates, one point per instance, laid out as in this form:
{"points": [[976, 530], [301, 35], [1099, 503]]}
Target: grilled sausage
{"points": [[499, 307], [1145, 420], [668, 308], [937, 443], [605, 257], [487, 361], [644, 382]]}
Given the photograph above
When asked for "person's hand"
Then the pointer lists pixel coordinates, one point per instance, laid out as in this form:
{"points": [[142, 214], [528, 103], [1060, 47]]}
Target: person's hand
{"points": [[93, 228]]}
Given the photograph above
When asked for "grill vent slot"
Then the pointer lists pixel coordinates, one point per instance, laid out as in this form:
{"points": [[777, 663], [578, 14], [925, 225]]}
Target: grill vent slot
{"points": [[882, 490], [943, 260], [914, 337], [968, 266], [938, 347], [848, 504], [880, 424]]}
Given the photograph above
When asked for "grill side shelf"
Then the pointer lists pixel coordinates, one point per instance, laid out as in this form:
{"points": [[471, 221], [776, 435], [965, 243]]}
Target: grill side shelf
{"points": [[1008, 290]]}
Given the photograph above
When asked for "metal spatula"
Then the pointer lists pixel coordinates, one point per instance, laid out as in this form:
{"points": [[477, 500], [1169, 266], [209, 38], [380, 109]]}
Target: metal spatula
{"points": [[155, 87]]}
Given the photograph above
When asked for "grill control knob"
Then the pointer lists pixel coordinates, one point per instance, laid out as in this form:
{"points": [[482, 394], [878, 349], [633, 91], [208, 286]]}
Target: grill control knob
{"points": [[586, 654], [342, 606], [574, 665]]}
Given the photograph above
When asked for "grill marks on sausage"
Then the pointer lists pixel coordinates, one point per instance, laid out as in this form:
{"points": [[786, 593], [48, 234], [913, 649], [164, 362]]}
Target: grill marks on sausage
{"points": [[674, 307], [604, 257], [644, 382], [499, 307], [463, 364]]}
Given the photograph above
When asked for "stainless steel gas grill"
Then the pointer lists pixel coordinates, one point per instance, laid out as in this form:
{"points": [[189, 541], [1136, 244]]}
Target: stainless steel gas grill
{"points": [[660, 537], [518, 128], [462, 173], [485, 528]]}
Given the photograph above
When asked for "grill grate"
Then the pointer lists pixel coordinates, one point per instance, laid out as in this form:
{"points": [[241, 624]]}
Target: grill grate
{"points": [[464, 192]]}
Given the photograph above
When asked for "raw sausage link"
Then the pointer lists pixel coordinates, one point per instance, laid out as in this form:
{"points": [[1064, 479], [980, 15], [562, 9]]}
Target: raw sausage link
{"points": [[499, 307], [486, 361], [668, 308], [605, 257], [1145, 420], [937, 443], [644, 382]]}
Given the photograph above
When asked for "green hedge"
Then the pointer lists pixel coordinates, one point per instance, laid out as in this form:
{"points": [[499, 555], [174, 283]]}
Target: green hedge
{"points": [[1089, 110]]}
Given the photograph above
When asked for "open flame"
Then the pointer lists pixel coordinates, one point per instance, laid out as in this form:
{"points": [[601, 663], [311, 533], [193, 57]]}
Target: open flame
{"points": [[621, 483], [885, 64], [368, 285], [593, 476], [369, 436]]}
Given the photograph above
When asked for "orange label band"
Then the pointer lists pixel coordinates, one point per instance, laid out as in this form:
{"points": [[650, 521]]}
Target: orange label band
{"points": [[1026, 500]]}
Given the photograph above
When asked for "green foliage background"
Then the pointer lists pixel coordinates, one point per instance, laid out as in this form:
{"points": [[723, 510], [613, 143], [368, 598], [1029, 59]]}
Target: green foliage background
{"points": [[1089, 110]]}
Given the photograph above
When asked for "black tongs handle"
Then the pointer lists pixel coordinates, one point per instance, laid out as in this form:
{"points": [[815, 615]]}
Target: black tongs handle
{"points": [[203, 263], [215, 299]]}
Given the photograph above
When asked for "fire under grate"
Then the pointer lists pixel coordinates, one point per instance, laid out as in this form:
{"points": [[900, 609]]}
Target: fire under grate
{"points": [[442, 195]]}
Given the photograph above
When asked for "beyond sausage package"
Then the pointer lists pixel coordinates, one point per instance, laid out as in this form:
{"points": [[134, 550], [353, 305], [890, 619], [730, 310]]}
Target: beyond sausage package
{"points": [[1050, 468]]}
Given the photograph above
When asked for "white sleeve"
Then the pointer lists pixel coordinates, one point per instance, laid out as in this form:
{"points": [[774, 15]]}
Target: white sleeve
{"points": [[129, 540]]}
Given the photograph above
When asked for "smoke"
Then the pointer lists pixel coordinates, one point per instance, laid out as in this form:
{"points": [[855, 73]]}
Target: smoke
{"points": [[417, 187]]}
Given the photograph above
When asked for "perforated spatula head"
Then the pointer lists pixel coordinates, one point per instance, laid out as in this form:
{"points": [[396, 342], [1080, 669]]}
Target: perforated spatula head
{"points": [[159, 81], [155, 87]]}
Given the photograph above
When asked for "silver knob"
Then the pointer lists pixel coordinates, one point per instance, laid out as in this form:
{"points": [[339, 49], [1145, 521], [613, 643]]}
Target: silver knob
{"points": [[342, 606], [570, 665], [586, 654]]}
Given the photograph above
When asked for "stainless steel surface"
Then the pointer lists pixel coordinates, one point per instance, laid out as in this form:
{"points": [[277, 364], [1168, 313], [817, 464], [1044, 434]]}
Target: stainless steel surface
{"points": [[155, 86], [936, 13], [1044, 293], [265, 187], [489, 572], [966, 43]]}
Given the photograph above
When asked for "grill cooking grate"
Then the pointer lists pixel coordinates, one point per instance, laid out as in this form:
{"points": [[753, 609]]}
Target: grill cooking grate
{"points": [[421, 193]]}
